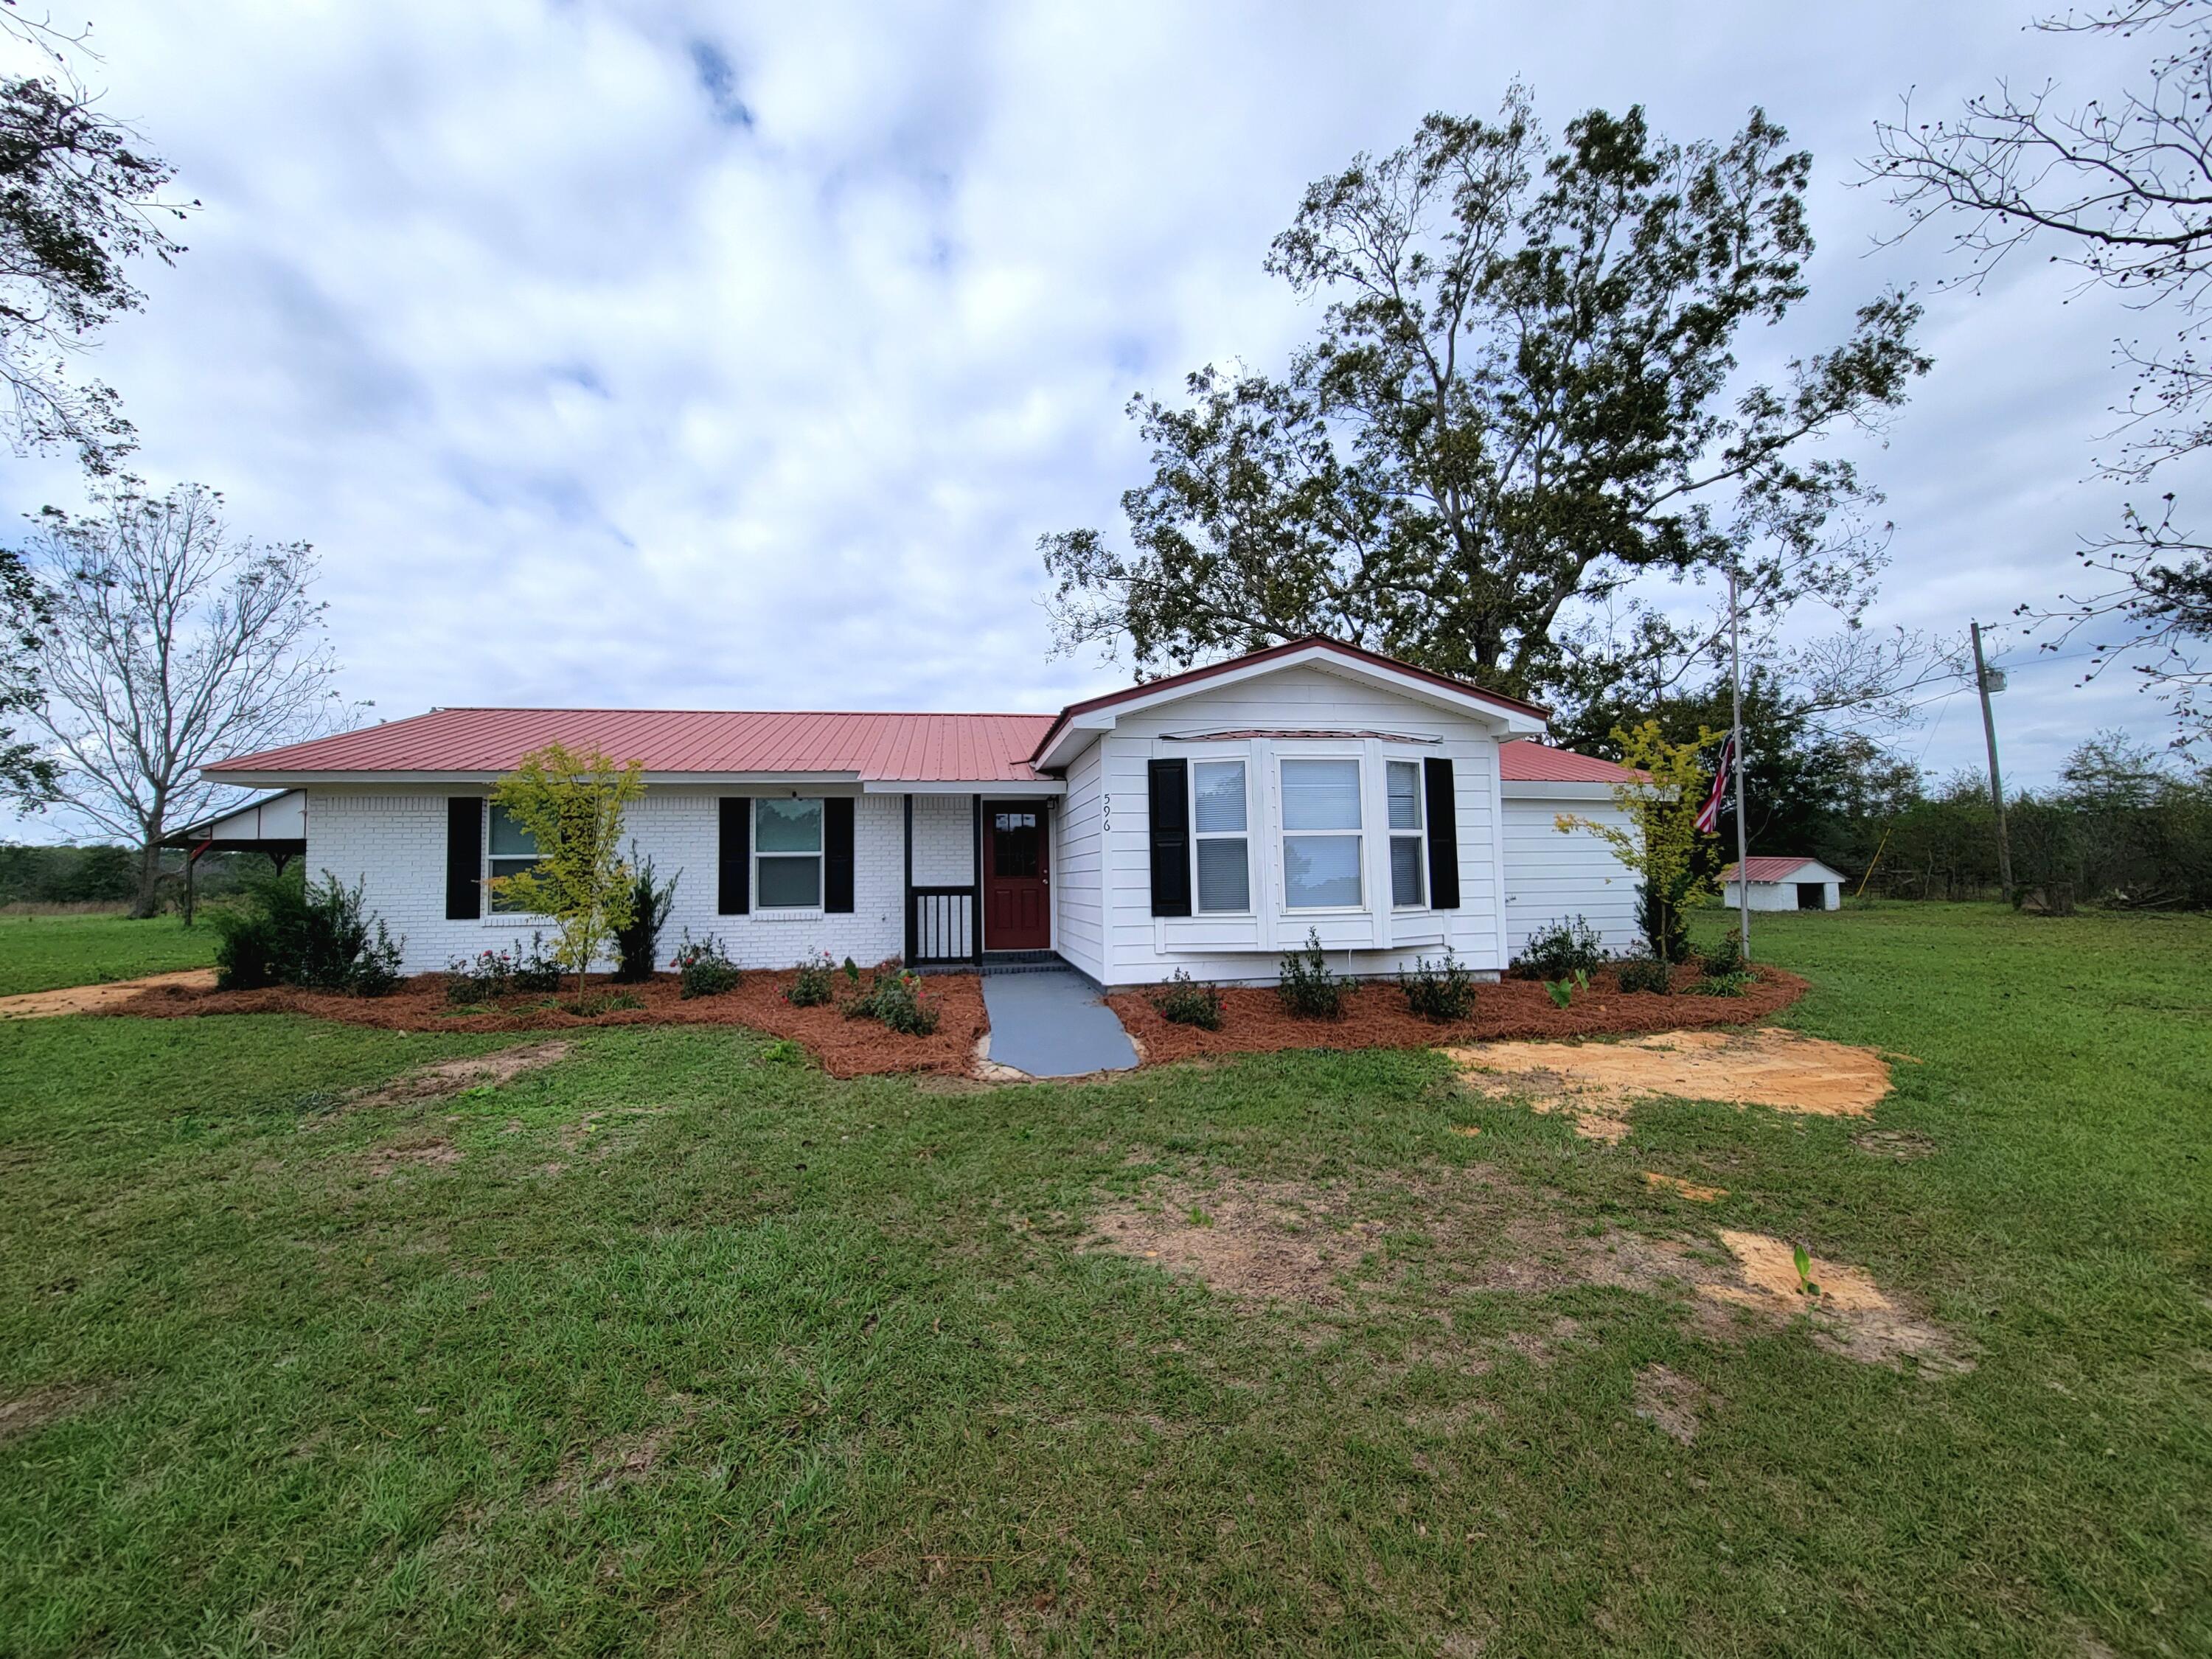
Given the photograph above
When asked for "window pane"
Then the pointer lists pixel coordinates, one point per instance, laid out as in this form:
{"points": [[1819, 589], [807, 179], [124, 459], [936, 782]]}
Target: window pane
{"points": [[509, 837], [789, 826], [1220, 786], [1320, 870], [1405, 779], [1405, 869], [1015, 842], [787, 882], [1224, 880], [1321, 794]]}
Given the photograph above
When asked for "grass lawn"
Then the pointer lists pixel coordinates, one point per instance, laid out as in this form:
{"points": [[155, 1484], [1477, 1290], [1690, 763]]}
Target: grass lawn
{"points": [[44, 953], [674, 1345]]}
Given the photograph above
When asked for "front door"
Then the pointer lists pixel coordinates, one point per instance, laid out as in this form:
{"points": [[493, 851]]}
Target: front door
{"points": [[1016, 893]]}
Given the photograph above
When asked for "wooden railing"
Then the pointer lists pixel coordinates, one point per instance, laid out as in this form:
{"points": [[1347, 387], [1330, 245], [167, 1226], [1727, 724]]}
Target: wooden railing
{"points": [[940, 925]]}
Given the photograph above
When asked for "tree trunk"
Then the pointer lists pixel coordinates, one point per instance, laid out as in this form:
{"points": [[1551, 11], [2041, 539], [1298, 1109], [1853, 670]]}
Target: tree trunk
{"points": [[150, 878]]}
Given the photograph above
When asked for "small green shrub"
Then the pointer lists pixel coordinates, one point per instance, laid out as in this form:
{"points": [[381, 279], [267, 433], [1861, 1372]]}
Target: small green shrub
{"points": [[815, 982], [318, 935], [1441, 990], [602, 1002], [852, 972], [1723, 985], [1560, 951], [1307, 988], [637, 943], [1725, 960], [1562, 991], [703, 968], [896, 998], [485, 977], [1646, 976], [536, 972], [1187, 1001], [783, 1052]]}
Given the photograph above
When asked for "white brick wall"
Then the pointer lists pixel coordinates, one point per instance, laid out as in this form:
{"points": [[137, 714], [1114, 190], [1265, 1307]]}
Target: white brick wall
{"points": [[395, 839]]}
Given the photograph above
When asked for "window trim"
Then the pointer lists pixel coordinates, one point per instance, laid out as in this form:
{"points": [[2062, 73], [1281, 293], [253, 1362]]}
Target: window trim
{"points": [[1284, 832], [820, 855], [1244, 761], [1419, 835]]}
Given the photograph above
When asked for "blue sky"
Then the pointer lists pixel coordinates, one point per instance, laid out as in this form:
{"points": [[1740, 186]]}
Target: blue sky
{"points": [[710, 355]]}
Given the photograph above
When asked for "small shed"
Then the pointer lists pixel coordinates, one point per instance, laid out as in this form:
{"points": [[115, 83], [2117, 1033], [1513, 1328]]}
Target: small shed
{"points": [[1786, 883]]}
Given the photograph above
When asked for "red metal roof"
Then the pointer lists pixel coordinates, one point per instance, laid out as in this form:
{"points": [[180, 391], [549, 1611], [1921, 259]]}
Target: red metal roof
{"points": [[1522, 760], [887, 748], [1769, 868]]}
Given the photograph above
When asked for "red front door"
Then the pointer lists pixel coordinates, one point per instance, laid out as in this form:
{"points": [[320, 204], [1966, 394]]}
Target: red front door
{"points": [[1017, 890]]}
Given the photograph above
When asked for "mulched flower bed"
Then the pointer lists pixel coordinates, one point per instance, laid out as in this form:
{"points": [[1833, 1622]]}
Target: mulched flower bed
{"points": [[1253, 1021], [844, 1048]]}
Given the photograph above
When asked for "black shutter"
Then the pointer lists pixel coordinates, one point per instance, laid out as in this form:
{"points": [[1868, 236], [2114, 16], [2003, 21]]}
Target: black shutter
{"points": [[1443, 834], [733, 887], [837, 854], [1168, 781], [464, 817]]}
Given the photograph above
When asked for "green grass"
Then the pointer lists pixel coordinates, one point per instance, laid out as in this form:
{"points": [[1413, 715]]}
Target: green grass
{"points": [[694, 1351], [44, 953]]}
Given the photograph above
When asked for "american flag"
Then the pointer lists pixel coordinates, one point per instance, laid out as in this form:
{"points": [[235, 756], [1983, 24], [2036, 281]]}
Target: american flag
{"points": [[1709, 818]]}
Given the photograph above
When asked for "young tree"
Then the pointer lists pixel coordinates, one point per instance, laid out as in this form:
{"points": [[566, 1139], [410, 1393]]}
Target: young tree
{"points": [[1523, 397], [1663, 844], [173, 644], [2119, 187], [80, 198], [572, 804]]}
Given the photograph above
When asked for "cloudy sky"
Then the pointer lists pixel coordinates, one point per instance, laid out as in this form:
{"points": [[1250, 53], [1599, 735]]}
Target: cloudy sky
{"points": [[731, 355]]}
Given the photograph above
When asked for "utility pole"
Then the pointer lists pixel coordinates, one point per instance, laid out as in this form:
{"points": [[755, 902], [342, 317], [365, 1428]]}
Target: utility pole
{"points": [[1735, 702], [1996, 781]]}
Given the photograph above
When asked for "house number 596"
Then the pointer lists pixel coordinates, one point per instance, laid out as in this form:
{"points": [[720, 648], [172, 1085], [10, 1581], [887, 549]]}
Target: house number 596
{"points": [[1106, 813]]}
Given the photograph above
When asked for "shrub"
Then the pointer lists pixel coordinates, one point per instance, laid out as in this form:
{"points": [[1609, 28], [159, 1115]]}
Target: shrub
{"points": [[1187, 1001], [896, 998], [637, 941], [539, 971], [703, 968], [1308, 989], [1725, 959], [602, 1002], [1439, 990], [1560, 951], [815, 982], [318, 935], [1562, 992], [1666, 933], [1723, 985], [1646, 976], [485, 977]]}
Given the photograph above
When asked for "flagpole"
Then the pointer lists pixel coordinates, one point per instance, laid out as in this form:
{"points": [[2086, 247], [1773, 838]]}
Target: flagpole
{"points": [[1736, 698]]}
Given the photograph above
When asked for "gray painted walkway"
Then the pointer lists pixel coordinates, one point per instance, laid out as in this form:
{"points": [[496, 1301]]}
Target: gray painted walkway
{"points": [[1053, 1025]]}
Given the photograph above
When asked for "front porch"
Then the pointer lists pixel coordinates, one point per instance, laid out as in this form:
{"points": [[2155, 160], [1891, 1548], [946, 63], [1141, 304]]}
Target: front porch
{"points": [[1000, 918]]}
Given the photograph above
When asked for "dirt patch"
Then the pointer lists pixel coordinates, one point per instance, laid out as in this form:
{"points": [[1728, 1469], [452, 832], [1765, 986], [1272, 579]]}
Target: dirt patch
{"points": [[100, 999], [27, 1414], [844, 1048], [1902, 1144], [1849, 1312], [1282, 1241], [432, 1154], [616, 1462], [1682, 1188], [454, 1077], [1600, 1083], [1672, 1401], [1376, 1016]]}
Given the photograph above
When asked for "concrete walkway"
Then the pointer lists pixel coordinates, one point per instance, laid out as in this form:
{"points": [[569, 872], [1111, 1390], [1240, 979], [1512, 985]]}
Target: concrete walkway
{"points": [[1053, 1025]]}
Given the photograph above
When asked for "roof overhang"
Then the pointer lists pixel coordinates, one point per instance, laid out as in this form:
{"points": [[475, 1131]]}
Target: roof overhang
{"points": [[1081, 723], [841, 781], [1550, 789]]}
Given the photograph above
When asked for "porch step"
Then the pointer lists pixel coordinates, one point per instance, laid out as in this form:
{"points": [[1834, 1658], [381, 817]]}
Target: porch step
{"points": [[1001, 961]]}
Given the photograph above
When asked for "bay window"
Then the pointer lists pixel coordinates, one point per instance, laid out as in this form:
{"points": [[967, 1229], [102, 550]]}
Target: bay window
{"points": [[1320, 834], [1219, 836], [788, 854], [1408, 851]]}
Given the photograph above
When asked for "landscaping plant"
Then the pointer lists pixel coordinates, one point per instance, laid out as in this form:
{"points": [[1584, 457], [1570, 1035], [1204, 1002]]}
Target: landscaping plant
{"points": [[1559, 949], [1308, 989], [1646, 975], [637, 941], [1562, 991], [320, 936], [815, 982], [536, 971], [485, 977], [1663, 844], [703, 968], [1187, 1001], [571, 804], [1441, 990], [895, 997]]}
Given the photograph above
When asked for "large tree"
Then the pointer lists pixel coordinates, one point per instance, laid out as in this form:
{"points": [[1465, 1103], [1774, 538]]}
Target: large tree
{"points": [[1524, 396], [80, 198], [174, 643], [27, 774], [2118, 186]]}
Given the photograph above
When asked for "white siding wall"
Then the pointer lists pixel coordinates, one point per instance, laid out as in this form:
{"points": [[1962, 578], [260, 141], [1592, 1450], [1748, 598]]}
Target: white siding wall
{"points": [[395, 839], [1078, 869], [1783, 895], [1140, 948], [1552, 877]]}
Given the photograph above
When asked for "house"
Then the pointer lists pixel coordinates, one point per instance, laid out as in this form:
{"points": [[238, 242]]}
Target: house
{"points": [[1786, 883], [1207, 822]]}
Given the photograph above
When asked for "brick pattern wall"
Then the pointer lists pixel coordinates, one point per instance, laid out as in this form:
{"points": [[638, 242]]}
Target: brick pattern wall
{"points": [[395, 840]]}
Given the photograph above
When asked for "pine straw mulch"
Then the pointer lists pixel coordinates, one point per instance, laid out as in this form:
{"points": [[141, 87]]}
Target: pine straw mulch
{"points": [[1253, 1020], [844, 1048]]}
